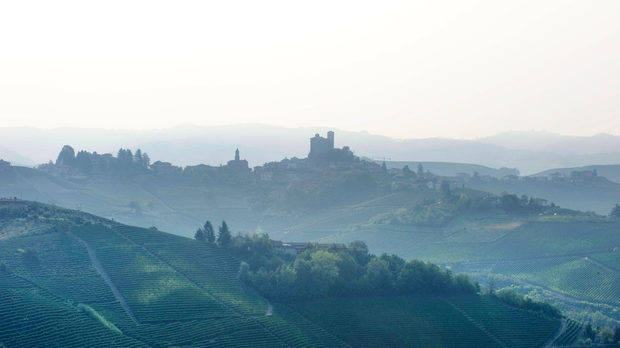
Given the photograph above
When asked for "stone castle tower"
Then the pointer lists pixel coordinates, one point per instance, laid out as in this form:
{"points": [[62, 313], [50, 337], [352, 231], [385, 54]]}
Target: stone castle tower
{"points": [[320, 146]]}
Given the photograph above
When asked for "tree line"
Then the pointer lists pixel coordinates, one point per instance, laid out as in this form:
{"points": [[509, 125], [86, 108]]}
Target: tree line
{"points": [[206, 234], [333, 271], [93, 163]]}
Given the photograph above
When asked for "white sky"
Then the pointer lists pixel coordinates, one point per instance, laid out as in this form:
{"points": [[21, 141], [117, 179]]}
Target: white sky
{"points": [[404, 69]]}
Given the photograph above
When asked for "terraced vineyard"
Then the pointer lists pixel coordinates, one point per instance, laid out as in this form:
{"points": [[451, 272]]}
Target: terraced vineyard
{"points": [[171, 310], [508, 324], [30, 317], [422, 321], [106, 284], [569, 336], [580, 278], [66, 272], [212, 269]]}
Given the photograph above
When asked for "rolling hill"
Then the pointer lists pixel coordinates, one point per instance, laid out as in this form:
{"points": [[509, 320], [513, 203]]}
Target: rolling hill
{"points": [[599, 196], [472, 243], [73, 279], [453, 169], [567, 258], [611, 171]]}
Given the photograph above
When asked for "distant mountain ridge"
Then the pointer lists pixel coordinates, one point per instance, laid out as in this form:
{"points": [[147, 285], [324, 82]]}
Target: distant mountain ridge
{"points": [[550, 142], [191, 145]]}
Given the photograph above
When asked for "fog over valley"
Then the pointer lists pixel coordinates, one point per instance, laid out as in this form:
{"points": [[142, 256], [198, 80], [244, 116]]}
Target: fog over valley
{"points": [[259, 174]]}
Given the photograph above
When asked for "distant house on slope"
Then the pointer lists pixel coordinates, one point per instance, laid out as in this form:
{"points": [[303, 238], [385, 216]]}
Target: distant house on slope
{"points": [[165, 168], [295, 248]]}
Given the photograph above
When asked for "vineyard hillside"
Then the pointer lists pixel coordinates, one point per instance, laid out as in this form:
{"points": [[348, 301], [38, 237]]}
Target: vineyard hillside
{"points": [[72, 279]]}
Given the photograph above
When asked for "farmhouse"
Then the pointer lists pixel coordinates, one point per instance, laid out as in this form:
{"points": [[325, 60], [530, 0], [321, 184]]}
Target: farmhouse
{"points": [[295, 248]]}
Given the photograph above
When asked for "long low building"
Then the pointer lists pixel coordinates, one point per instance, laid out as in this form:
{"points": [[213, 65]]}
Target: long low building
{"points": [[295, 248]]}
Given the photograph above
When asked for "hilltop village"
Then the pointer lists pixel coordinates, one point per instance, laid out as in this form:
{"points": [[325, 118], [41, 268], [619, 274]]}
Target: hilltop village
{"points": [[340, 168], [324, 163], [323, 159]]}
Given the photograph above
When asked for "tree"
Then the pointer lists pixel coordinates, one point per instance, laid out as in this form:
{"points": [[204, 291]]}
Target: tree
{"points": [[444, 188], [146, 161], [209, 233], [83, 161], [408, 173], [589, 331], [378, 276], [359, 251], [137, 157], [615, 212], [510, 202], [199, 235], [66, 156], [606, 334], [420, 170], [224, 237], [244, 271]]}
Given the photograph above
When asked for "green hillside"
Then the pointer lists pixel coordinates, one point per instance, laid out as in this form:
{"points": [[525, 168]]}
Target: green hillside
{"points": [[73, 279], [599, 196], [466, 241], [569, 259], [429, 321]]}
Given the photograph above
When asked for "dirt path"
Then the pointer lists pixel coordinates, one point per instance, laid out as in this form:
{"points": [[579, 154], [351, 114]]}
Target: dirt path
{"points": [[205, 290], [97, 264], [557, 335], [269, 310]]}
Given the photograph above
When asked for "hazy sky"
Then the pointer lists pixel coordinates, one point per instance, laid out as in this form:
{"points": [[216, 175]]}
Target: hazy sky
{"points": [[405, 69]]}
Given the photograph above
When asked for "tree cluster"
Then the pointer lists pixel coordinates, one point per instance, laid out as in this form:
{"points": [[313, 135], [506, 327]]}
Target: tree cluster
{"points": [[93, 163], [600, 335], [207, 234], [515, 299], [615, 212], [339, 271], [439, 212]]}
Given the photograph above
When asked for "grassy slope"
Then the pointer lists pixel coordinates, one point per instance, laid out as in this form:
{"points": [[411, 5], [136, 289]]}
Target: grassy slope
{"points": [[183, 293], [610, 171], [530, 252]]}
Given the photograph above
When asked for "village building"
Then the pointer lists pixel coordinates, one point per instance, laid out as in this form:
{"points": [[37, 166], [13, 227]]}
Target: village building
{"points": [[320, 146], [165, 168], [238, 164], [296, 248]]}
